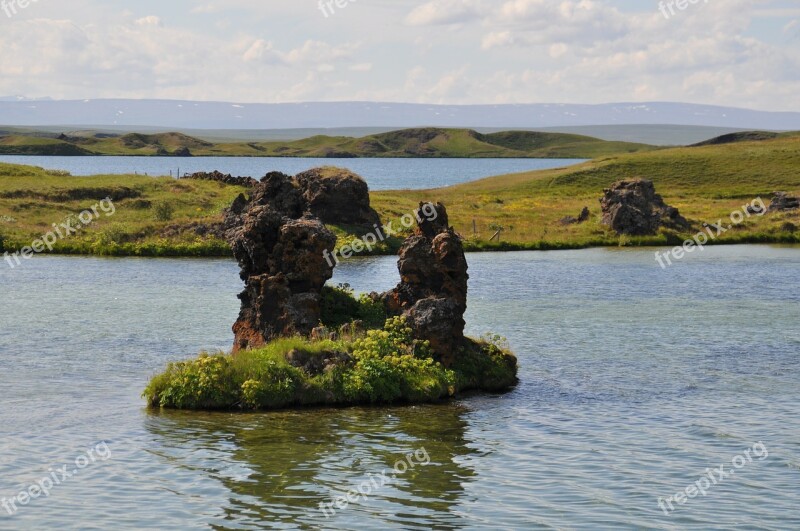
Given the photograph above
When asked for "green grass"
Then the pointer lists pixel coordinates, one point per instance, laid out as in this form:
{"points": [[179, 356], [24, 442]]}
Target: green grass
{"points": [[706, 183], [377, 367], [427, 142], [32, 200]]}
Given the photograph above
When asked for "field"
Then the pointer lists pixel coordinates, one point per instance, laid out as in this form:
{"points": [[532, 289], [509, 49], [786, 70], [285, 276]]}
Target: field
{"points": [[161, 216]]}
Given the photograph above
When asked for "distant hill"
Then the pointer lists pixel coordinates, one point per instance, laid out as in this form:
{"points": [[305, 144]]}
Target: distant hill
{"points": [[743, 136], [421, 142], [184, 115]]}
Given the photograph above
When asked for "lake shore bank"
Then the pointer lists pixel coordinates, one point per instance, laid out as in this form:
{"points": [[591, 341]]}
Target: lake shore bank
{"points": [[524, 211]]}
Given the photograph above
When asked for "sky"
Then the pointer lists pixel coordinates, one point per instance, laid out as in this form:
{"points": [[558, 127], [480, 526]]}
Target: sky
{"points": [[743, 53]]}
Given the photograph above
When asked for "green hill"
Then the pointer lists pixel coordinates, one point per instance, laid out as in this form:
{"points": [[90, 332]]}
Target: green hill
{"points": [[742, 136], [423, 142]]}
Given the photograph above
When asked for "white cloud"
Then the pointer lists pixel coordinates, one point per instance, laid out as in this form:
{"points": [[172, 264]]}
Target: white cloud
{"points": [[447, 51], [438, 12]]}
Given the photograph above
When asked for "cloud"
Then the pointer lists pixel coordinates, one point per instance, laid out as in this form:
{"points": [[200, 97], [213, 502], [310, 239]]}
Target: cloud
{"points": [[361, 67], [439, 12], [447, 51]]}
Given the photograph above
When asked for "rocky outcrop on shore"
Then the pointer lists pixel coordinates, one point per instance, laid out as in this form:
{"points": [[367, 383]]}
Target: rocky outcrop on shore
{"points": [[582, 217], [632, 207], [224, 178], [782, 202], [432, 293]]}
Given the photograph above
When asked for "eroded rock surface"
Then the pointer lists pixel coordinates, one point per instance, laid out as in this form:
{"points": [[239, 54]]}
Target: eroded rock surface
{"points": [[634, 208], [279, 239], [279, 247], [432, 293], [338, 196]]}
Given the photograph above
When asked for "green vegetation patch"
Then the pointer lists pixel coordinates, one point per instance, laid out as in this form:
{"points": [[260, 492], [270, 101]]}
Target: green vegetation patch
{"points": [[379, 366]]}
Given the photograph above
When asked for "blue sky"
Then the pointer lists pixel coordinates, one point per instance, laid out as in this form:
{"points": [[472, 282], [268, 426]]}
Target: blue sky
{"points": [[728, 52]]}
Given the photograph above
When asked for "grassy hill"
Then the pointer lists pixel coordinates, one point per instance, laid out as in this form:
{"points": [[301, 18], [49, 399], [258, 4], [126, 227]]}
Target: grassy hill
{"points": [[706, 183], [425, 142]]}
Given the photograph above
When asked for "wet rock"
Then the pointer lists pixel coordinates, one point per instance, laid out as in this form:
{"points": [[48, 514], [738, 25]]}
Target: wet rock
{"points": [[783, 202], [634, 208], [432, 293]]}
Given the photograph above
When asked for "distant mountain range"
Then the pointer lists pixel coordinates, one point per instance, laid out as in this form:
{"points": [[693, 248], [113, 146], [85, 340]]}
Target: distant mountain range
{"points": [[182, 115]]}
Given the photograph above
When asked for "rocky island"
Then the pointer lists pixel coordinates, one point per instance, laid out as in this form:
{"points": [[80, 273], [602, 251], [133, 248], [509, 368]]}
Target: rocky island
{"points": [[299, 342]]}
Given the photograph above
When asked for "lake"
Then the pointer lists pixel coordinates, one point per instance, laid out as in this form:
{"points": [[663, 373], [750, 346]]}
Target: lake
{"points": [[380, 174], [634, 382]]}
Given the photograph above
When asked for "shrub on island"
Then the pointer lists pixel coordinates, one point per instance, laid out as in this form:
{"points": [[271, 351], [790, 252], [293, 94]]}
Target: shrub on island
{"points": [[374, 367]]}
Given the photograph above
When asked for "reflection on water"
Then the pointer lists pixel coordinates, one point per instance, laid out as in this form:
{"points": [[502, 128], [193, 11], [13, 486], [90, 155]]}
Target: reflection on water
{"points": [[280, 466]]}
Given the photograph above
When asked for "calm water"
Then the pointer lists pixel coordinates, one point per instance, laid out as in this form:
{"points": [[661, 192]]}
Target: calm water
{"points": [[634, 382], [381, 174]]}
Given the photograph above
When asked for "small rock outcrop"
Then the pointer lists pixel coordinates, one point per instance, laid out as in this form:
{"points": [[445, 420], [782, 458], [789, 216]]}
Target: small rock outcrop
{"points": [[782, 201], [338, 196], [432, 293], [279, 247], [582, 217], [225, 178], [633, 207]]}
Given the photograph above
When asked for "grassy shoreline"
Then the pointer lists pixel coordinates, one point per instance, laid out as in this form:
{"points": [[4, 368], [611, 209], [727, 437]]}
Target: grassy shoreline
{"points": [[167, 217]]}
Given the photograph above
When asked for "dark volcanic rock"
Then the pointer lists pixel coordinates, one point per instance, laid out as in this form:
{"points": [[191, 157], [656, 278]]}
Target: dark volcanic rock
{"points": [[783, 202], [280, 242], [634, 208], [280, 253], [222, 178], [432, 293], [583, 216], [337, 196]]}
